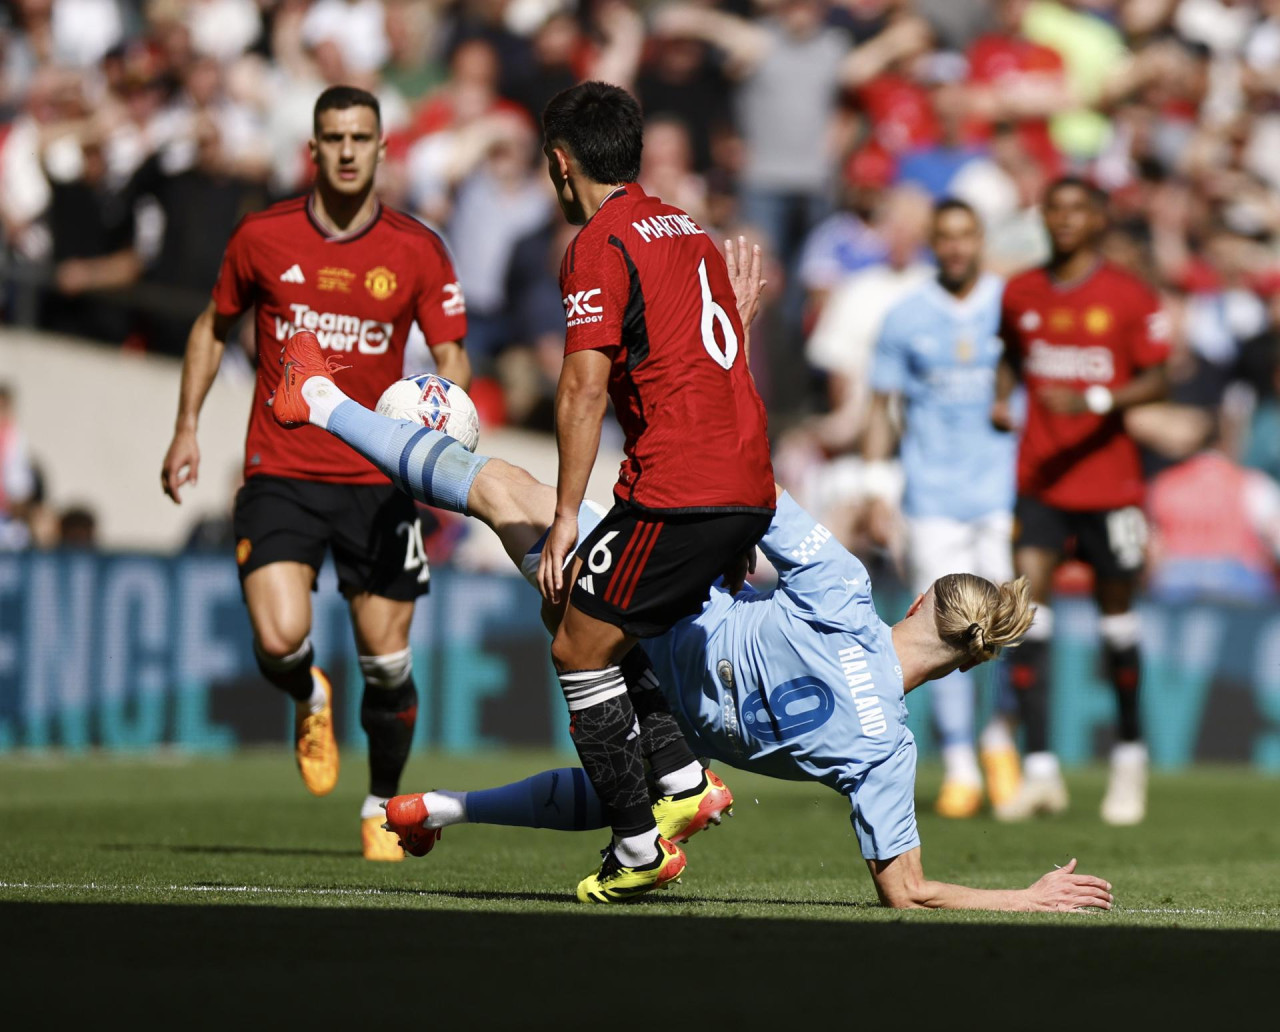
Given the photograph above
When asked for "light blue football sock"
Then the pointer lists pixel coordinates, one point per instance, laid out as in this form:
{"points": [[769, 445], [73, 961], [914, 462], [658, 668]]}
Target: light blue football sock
{"points": [[953, 708], [428, 464], [562, 800]]}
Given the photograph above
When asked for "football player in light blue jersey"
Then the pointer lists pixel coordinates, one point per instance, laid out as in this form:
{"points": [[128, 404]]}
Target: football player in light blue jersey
{"points": [[803, 682], [936, 357]]}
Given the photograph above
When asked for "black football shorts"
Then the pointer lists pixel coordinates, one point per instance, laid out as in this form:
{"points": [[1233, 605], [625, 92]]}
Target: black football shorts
{"points": [[644, 571], [372, 530], [1112, 541]]}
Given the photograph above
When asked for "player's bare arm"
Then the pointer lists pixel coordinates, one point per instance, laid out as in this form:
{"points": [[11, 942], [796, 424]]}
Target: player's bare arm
{"points": [[452, 362], [205, 345], [581, 400], [901, 883]]}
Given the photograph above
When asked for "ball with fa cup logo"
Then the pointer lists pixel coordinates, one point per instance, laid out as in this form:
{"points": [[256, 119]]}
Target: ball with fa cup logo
{"points": [[436, 403]]}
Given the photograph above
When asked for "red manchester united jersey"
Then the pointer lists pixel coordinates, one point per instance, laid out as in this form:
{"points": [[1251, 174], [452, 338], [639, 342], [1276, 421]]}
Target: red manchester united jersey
{"points": [[642, 281], [1101, 330], [359, 294]]}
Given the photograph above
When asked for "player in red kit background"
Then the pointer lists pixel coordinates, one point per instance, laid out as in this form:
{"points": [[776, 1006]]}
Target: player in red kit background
{"points": [[652, 323], [359, 275], [1089, 341]]}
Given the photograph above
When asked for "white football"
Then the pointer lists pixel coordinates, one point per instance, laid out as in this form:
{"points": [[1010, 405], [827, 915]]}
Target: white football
{"points": [[436, 403]]}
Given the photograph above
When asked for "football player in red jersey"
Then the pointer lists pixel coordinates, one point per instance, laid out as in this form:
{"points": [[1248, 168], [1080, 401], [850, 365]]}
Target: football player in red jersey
{"points": [[652, 323], [359, 275], [1089, 341]]}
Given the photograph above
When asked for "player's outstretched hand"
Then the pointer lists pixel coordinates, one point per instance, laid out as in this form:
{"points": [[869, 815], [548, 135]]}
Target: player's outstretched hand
{"points": [[181, 464], [746, 266], [561, 538], [1063, 889]]}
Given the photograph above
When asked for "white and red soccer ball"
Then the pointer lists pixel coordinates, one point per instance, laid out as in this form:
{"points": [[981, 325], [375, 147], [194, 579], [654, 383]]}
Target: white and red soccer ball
{"points": [[436, 403]]}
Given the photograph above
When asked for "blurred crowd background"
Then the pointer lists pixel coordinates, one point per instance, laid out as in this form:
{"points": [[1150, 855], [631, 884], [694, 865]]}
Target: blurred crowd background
{"points": [[133, 136]]}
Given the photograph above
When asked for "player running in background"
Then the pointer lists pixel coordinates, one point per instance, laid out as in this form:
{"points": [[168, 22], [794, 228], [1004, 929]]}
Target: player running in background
{"points": [[1089, 341], [804, 682], [651, 323], [338, 263], [936, 357]]}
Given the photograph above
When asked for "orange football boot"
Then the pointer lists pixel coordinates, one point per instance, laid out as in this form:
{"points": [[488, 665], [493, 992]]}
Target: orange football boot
{"points": [[406, 815], [314, 745], [302, 359]]}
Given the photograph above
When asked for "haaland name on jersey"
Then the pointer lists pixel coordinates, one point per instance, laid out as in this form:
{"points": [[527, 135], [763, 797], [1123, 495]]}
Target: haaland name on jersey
{"points": [[870, 712]]}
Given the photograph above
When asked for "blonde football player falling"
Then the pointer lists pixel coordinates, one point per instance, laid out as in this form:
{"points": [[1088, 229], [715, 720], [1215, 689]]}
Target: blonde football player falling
{"points": [[734, 672]]}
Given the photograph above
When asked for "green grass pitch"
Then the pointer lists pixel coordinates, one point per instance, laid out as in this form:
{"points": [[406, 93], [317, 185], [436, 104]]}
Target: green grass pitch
{"points": [[200, 891]]}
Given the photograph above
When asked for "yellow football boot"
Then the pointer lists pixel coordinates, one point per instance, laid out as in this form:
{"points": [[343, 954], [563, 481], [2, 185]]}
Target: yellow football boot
{"points": [[1003, 773], [314, 745], [614, 883], [958, 800], [678, 819]]}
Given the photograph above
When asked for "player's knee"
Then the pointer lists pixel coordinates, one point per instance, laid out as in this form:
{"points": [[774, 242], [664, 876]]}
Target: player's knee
{"points": [[278, 645], [387, 671]]}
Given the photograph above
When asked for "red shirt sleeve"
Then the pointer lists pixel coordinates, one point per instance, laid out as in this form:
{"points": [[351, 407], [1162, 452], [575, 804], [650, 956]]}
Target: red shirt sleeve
{"points": [[595, 288], [441, 309], [1149, 331], [236, 288]]}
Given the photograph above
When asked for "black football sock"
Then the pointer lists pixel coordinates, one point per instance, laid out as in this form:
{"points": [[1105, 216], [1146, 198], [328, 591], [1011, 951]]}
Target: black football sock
{"points": [[662, 743], [1028, 674], [388, 716], [1124, 671], [292, 673], [606, 734]]}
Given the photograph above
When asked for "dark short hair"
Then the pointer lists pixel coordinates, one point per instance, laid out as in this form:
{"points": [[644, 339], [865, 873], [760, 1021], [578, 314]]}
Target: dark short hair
{"points": [[1097, 197], [339, 98], [601, 127], [947, 204]]}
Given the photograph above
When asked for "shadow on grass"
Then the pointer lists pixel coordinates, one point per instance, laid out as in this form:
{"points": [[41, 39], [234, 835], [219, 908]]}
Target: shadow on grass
{"points": [[261, 965]]}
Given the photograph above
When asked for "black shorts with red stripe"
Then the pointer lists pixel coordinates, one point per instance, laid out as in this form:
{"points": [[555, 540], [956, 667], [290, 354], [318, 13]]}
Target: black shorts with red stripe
{"points": [[644, 571]]}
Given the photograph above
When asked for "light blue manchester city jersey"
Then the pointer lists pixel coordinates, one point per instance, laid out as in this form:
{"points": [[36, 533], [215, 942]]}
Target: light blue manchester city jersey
{"points": [[940, 355], [801, 682]]}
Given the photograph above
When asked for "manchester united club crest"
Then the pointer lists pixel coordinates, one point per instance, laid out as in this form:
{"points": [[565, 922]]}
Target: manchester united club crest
{"points": [[1097, 320], [433, 408], [380, 282], [243, 549]]}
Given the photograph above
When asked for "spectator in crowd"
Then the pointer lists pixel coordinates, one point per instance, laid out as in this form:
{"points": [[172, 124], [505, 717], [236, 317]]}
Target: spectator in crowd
{"points": [[1215, 530], [17, 477], [78, 528]]}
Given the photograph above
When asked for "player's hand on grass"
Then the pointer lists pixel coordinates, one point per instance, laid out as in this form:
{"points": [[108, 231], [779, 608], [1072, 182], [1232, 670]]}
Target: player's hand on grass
{"points": [[1063, 889], [561, 538], [181, 464], [1062, 400]]}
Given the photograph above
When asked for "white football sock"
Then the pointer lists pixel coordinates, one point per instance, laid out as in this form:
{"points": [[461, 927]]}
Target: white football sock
{"points": [[1129, 754], [960, 764], [687, 777], [1040, 765], [317, 700], [636, 850], [322, 396], [445, 808], [996, 736], [372, 806]]}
